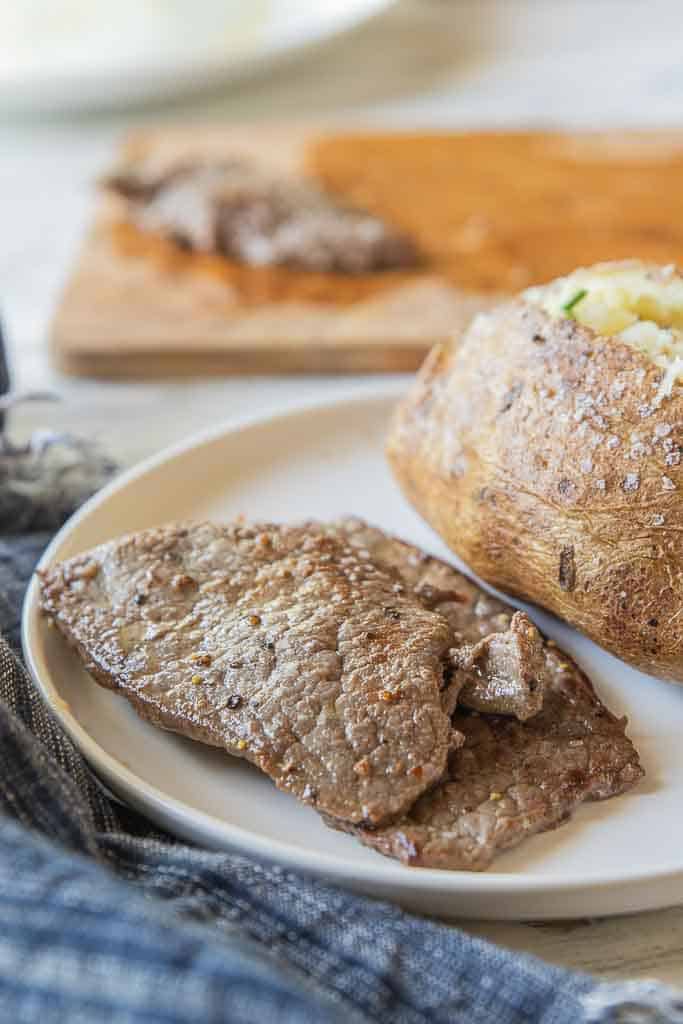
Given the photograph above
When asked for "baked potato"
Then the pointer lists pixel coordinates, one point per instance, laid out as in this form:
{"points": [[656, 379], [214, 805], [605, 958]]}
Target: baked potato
{"points": [[544, 447]]}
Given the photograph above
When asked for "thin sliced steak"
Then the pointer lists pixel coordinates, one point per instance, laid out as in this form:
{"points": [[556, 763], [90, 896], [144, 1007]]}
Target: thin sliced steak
{"points": [[241, 211], [283, 645], [498, 652], [512, 779]]}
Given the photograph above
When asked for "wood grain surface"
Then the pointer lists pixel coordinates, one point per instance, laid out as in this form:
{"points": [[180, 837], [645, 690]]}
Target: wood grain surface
{"points": [[493, 212]]}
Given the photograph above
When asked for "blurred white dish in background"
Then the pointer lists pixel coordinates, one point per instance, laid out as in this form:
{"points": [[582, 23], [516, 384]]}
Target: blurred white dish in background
{"points": [[64, 55]]}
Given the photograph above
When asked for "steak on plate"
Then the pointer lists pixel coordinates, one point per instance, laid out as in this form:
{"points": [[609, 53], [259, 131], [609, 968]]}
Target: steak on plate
{"points": [[283, 645], [512, 779], [497, 652]]}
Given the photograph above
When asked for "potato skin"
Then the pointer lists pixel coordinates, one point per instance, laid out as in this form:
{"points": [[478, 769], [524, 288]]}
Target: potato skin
{"points": [[538, 452]]}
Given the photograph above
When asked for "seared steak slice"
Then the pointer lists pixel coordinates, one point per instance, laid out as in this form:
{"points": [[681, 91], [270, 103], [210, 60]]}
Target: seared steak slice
{"points": [[505, 672], [512, 779], [283, 645], [498, 652], [237, 209]]}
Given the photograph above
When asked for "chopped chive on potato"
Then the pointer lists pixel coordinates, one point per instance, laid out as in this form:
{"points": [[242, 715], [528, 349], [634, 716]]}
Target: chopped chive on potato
{"points": [[638, 303]]}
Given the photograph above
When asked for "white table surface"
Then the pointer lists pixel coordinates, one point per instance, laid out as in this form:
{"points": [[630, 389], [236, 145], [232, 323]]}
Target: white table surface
{"points": [[459, 63]]}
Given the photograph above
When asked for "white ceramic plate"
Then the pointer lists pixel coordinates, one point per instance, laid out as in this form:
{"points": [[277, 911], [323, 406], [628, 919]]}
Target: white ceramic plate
{"points": [[621, 855], [83, 54]]}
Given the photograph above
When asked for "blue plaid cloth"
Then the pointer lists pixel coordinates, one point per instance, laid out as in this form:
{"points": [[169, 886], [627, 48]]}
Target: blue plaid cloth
{"points": [[104, 919]]}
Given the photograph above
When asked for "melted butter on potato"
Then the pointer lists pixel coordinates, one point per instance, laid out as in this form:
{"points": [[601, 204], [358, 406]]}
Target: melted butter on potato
{"points": [[639, 303]]}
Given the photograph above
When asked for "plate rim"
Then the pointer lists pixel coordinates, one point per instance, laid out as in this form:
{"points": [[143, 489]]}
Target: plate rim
{"points": [[162, 808]]}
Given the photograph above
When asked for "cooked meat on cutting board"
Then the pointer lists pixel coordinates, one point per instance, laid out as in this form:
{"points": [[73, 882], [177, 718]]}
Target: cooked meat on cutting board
{"points": [[241, 210], [513, 779], [283, 645]]}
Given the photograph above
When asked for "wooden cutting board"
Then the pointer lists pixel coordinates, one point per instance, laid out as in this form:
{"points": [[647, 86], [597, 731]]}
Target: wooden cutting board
{"points": [[493, 213]]}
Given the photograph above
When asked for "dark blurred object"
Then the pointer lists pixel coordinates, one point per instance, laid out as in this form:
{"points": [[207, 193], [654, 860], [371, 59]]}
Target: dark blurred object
{"points": [[44, 480], [4, 378]]}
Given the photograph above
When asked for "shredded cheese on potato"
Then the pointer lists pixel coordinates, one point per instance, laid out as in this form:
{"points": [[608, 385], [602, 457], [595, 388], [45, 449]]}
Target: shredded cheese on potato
{"points": [[638, 303]]}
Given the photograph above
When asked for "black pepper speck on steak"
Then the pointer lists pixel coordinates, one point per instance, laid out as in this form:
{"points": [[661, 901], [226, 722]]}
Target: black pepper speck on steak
{"points": [[241, 211], [497, 652], [512, 779], [282, 645]]}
